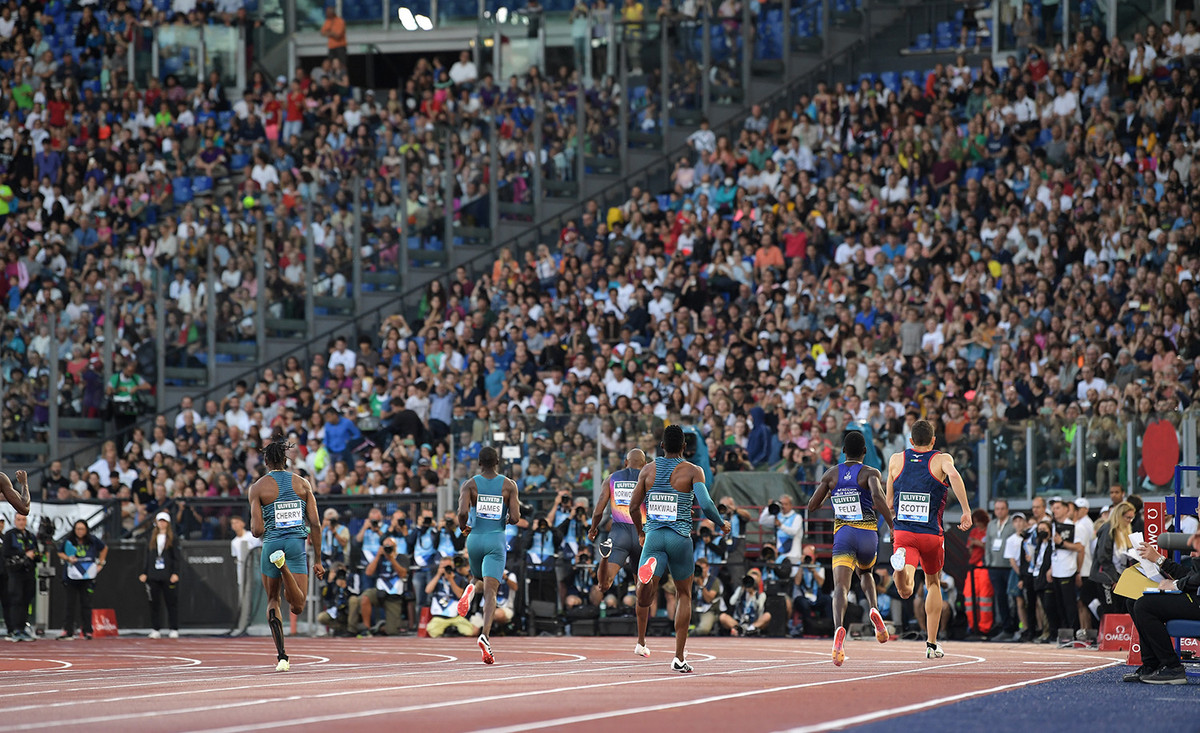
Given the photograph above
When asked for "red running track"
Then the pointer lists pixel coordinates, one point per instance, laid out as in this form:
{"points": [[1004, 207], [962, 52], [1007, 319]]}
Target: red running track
{"points": [[566, 683]]}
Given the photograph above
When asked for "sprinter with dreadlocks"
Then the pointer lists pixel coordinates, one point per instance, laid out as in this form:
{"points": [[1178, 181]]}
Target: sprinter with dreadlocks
{"points": [[283, 510]]}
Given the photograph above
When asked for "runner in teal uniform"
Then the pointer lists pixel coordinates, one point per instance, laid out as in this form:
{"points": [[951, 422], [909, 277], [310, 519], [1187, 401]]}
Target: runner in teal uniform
{"points": [[283, 510], [669, 486], [486, 502]]}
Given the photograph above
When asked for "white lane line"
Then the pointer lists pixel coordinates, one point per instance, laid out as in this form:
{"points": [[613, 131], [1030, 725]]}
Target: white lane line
{"points": [[261, 703], [291, 681], [714, 698], [65, 665], [925, 704], [475, 700]]}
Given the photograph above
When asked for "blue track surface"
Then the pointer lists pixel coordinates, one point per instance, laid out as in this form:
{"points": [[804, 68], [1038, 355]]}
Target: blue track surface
{"points": [[1088, 703]]}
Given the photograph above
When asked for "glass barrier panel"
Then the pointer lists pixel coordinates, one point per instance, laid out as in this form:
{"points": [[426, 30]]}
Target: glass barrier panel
{"points": [[1007, 459]]}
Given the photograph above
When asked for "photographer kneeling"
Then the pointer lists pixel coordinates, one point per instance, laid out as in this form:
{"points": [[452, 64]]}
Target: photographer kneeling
{"points": [[748, 604], [339, 601], [444, 590], [390, 591], [1176, 599], [706, 600]]}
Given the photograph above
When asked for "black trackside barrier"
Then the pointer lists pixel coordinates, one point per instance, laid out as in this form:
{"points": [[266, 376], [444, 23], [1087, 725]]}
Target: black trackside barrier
{"points": [[207, 589]]}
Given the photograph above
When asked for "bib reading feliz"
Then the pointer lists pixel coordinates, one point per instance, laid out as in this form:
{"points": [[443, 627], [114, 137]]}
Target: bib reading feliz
{"points": [[848, 506]]}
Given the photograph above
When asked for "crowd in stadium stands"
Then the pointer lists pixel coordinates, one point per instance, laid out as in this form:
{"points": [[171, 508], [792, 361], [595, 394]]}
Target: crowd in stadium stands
{"points": [[978, 248]]}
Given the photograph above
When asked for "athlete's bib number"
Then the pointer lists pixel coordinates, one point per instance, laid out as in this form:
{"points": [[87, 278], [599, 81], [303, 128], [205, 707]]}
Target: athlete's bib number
{"points": [[662, 507], [289, 514], [914, 507], [623, 492], [489, 507], [847, 507]]}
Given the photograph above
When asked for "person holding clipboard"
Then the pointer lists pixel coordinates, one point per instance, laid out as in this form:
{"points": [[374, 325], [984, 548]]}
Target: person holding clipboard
{"points": [[1176, 597]]}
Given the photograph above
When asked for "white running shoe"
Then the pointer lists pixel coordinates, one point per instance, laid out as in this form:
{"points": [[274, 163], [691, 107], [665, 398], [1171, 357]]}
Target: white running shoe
{"points": [[898, 559], [646, 571], [934, 652], [283, 666], [486, 648], [155, 635], [278, 559], [464, 603], [680, 666], [606, 548], [641, 651], [173, 635]]}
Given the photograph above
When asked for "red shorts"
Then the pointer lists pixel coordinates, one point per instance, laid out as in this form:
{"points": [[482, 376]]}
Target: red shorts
{"points": [[926, 550]]}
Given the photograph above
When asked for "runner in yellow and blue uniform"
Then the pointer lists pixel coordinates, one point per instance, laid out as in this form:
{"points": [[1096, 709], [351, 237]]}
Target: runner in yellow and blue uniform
{"points": [[486, 503], [857, 492], [283, 510], [669, 487]]}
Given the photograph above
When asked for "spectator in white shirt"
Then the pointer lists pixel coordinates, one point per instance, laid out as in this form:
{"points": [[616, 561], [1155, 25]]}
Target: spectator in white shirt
{"points": [[703, 140], [463, 71], [342, 354], [1088, 380], [235, 416]]}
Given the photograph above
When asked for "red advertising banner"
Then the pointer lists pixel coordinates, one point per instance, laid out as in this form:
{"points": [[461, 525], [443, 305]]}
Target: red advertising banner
{"points": [[1155, 515]]}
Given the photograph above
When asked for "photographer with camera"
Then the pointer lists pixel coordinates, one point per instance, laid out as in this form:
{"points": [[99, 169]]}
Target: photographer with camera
{"points": [[340, 602], [21, 557], [782, 518], [389, 590], [561, 509], [747, 606], [335, 539], [444, 590], [542, 545], [708, 547], [581, 586], [370, 535], [810, 599], [423, 545], [83, 556], [706, 599]]}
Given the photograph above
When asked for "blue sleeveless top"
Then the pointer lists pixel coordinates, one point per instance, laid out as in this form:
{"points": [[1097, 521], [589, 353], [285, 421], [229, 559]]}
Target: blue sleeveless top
{"points": [[286, 516], [919, 498], [667, 508], [852, 504], [490, 513]]}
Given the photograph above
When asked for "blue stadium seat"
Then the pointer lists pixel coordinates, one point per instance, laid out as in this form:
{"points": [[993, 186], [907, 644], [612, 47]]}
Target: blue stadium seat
{"points": [[891, 80], [202, 185], [239, 161], [224, 120], [924, 42], [183, 189]]}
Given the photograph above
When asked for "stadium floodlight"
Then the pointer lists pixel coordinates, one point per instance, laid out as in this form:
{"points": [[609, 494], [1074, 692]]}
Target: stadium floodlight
{"points": [[502, 15], [423, 22], [406, 19]]}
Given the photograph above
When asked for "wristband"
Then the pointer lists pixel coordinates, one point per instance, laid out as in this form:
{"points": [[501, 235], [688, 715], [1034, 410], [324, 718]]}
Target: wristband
{"points": [[1160, 561]]}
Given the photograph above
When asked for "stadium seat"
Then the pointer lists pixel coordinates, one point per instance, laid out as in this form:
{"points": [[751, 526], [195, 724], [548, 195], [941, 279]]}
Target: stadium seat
{"points": [[202, 185], [239, 162], [183, 189]]}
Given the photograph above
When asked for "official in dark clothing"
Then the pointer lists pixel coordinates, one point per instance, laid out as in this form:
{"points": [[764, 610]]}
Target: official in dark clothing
{"points": [[20, 559], [164, 563], [83, 556], [1178, 599]]}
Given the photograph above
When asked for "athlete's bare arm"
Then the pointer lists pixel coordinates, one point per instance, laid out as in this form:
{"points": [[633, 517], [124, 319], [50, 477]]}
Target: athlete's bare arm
{"points": [[895, 465], [824, 487], [645, 480], [257, 527], [598, 515], [514, 503], [314, 521], [875, 483], [946, 466], [18, 496], [466, 497]]}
